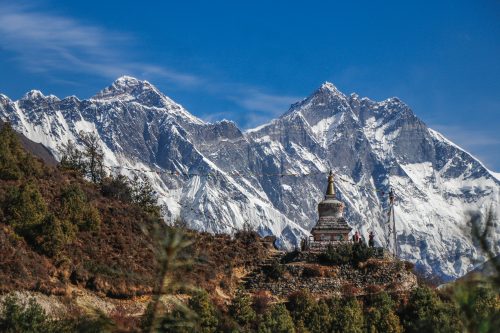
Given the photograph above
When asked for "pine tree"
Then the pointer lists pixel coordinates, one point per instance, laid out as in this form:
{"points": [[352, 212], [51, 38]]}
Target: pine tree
{"points": [[144, 195], [348, 317], [320, 318], [25, 209], [9, 168], [71, 157], [76, 209], [425, 312], [380, 316], [277, 320], [15, 162], [301, 304], [54, 234], [241, 309], [16, 318], [201, 305], [94, 156]]}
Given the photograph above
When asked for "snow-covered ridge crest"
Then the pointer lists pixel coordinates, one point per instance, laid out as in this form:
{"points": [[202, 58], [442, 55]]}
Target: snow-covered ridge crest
{"points": [[228, 178]]}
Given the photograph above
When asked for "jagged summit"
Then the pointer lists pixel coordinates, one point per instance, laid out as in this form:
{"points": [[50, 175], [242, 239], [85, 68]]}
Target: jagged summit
{"points": [[329, 86], [36, 95], [33, 94], [128, 83], [272, 177], [129, 80], [128, 88], [330, 90]]}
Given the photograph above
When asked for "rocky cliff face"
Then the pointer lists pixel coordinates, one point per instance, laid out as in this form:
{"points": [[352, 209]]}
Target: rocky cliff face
{"points": [[218, 177]]}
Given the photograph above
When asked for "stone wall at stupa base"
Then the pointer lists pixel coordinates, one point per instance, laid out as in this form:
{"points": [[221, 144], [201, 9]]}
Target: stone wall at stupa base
{"points": [[320, 246], [325, 281]]}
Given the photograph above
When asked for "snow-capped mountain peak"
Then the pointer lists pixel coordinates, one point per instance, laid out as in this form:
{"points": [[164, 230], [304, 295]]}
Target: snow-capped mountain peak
{"points": [[127, 88], [272, 177], [33, 95], [330, 87]]}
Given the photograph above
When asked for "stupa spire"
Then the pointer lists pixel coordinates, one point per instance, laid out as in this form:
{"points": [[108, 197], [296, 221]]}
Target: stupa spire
{"points": [[330, 191]]}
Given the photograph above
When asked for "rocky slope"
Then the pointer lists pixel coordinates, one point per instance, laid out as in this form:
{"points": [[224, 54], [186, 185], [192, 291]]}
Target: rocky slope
{"points": [[220, 178]]}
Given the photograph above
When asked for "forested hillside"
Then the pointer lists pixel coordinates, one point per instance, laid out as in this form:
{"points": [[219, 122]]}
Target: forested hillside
{"points": [[83, 251]]}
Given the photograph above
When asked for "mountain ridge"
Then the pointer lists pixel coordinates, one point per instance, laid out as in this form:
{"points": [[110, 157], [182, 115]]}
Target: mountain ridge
{"points": [[373, 145]]}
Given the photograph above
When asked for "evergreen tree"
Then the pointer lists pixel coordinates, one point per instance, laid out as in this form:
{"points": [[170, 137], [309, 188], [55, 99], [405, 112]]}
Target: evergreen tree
{"points": [[76, 209], [380, 316], [425, 312], [241, 309], [117, 187], [94, 156], [144, 195], [15, 162], [9, 168], [320, 319], [54, 234], [277, 320], [479, 305], [301, 305], [348, 317], [25, 209], [30, 318], [71, 157], [201, 305]]}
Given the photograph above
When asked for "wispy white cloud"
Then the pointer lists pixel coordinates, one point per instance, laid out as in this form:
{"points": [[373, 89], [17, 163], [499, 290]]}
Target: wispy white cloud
{"points": [[253, 99], [45, 42], [51, 43]]}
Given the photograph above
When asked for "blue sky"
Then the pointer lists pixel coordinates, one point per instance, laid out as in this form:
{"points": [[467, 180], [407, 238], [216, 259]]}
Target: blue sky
{"points": [[247, 61]]}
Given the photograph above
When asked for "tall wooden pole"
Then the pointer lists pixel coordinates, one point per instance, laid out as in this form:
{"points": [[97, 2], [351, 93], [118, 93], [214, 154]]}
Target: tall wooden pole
{"points": [[391, 212]]}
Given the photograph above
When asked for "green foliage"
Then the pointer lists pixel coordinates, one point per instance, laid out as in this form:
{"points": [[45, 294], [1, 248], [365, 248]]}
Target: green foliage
{"points": [[15, 162], [29, 318], [425, 312], [241, 309], [145, 196], [71, 157], [54, 234], [27, 212], [95, 322], [343, 254], [90, 161], [9, 165], [117, 187], [179, 320], [202, 306], [478, 304], [25, 209], [16, 317], [76, 209], [199, 316], [320, 319], [138, 191], [338, 255], [348, 317], [274, 271], [277, 320], [301, 306], [380, 316]]}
